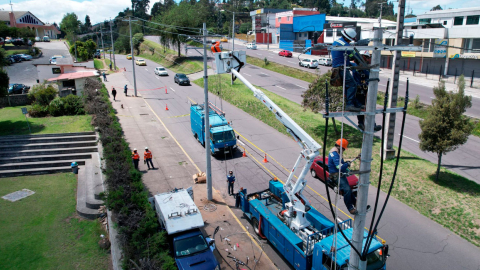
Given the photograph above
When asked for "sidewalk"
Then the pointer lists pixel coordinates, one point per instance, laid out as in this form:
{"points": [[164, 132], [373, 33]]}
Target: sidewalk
{"points": [[174, 169]]}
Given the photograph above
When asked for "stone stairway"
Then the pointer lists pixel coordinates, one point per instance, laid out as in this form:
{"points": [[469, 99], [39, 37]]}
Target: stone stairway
{"points": [[54, 153]]}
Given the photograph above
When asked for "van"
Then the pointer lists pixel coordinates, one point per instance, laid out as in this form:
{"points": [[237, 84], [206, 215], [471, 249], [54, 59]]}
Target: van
{"points": [[46, 39], [325, 61], [251, 46]]}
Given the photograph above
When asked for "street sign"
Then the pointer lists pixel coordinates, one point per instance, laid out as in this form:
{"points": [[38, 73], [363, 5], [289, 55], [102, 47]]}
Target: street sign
{"points": [[24, 110]]}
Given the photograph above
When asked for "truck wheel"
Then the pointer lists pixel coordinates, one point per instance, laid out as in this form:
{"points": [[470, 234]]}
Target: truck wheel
{"points": [[314, 173], [255, 226]]}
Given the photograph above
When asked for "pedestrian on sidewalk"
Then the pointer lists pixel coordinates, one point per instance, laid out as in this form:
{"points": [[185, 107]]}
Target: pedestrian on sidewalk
{"points": [[104, 76], [231, 182], [147, 158], [110, 65], [125, 90], [114, 93], [135, 158]]}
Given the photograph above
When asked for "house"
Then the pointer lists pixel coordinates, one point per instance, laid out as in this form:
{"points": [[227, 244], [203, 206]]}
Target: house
{"points": [[25, 19]]}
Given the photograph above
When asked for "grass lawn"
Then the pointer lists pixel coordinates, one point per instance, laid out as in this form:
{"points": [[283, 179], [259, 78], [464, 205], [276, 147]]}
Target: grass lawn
{"points": [[282, 69], [453, 201], [12, 52], [42, 231], [98, 64], [155, 52], [12, 122]]}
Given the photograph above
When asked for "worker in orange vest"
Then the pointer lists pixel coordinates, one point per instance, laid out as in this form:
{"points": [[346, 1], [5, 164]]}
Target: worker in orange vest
{"points": [[216, 46], [135, 158], [147, 157]]}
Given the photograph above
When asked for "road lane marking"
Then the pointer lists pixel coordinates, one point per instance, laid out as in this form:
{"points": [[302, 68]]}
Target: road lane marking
{"points": [[300, 86], [247, 74], [157, 78], [259, 54], [409, 138], [172, 89], [146, 69], [291, 62], [198, 169], [280, 87]]}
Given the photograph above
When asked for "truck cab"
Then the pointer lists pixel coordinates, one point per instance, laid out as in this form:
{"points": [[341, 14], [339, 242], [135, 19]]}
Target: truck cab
{"points": [[180, 218]]}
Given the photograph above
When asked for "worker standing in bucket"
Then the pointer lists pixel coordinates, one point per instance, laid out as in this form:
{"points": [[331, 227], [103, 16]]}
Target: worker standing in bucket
{"points": [[337, 168], [338, 66]]}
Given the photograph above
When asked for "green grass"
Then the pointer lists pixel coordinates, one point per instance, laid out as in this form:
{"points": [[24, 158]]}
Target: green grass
{"points": [[12, 122], [42, 231], [155, 52], [12, 52], [98, 64], [107, 62], [453, 201], [282, 69]]}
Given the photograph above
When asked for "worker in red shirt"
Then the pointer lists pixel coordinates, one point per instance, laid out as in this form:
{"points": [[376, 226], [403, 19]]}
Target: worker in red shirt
{"points": [[147, 157], [135, 158]]}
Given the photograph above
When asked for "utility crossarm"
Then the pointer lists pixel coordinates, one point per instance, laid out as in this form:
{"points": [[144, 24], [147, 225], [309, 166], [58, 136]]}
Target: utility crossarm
{"points": [[310, 150]]}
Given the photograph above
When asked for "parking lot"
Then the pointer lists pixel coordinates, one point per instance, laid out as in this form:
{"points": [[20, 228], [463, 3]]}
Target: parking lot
{"points": [[25, 72]]}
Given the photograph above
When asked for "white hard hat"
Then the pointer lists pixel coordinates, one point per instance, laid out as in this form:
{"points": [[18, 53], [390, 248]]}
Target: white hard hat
{"points": [[349, 33], [366, 53], [134, 149], [146, 147]]}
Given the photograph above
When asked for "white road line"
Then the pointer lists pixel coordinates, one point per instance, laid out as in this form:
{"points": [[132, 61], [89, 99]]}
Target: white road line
{"points": [[409, 138], [146, 69], [247, 74], [432, 97], [291, 62], [300, 86], [280, 87], [172, 89], [259, 54], [157, 78]]}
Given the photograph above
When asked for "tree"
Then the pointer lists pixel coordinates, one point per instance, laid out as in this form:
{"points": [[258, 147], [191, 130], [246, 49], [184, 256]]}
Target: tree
{"points": [[70, 23], [445, 127], [4, 30], [4, 81], [245, 27], [437, 7], [314, 96], [157, 9], [88, 23]]}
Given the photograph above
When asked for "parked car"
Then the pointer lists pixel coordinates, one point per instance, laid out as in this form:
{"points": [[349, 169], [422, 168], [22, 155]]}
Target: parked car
{"points": [[25, 57], [181, 79], [285, 53], [325, 61], [17, 88], [2, 41], [38, 39], [224, 39], [251, 46], [17, 58], [308, 63], [97, 55], [9, 60], [129, 57], [46, 39], [140, 62], [161, 71], [18, 42], [53, 59], [317, 168]]}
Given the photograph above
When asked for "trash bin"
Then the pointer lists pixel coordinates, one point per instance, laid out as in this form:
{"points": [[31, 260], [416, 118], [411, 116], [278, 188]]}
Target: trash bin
{"points": [[75, 167]]}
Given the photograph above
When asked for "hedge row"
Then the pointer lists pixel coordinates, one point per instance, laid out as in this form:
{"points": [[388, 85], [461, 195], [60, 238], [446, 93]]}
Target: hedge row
{"points": [[144, 245]]}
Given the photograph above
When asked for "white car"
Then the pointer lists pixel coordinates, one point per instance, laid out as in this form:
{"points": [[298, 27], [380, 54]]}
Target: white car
{"points": [[325, 61], [161, 71], [25, 56], [308, 63], [251, 46]]}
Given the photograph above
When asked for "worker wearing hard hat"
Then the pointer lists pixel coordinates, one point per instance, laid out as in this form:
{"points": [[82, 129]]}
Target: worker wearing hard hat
{"points": [[216, 46], [135, 158], [337, 167], [338, 65], [361, 78], [147, 157]]}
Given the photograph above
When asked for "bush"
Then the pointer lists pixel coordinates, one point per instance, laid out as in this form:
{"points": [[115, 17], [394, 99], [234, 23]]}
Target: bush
{"points": [[42, 94], [55, 108], [73, 105], [37, 110]]}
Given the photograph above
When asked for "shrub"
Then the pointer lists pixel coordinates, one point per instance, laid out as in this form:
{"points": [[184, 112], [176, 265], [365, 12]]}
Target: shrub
{"points": [[37, 110], [55, 108], [42, 94], [73, 105]]}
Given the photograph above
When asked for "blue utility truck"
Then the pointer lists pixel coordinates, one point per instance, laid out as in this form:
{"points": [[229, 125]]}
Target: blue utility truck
{"points": [[180, 218], [222, 137]]}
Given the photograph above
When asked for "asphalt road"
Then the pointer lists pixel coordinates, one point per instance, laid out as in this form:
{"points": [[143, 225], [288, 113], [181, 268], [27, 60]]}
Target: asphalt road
{"points": [[415, 241], [463, 160]]}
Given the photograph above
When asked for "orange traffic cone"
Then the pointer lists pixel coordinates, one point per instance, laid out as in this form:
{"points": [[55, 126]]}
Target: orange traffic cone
{"points": [[166, 90], [244, 153], [265, 159], [166, 107]]}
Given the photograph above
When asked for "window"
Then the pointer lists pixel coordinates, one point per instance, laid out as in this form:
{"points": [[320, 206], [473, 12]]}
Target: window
{"points": [[69, 83], [329, 32], [471, 20], [339, 32], [56, 70], [414, 27], [424, 21], [471, 45], [288, 18], [444, 22], [458, 21], [426, 45]]}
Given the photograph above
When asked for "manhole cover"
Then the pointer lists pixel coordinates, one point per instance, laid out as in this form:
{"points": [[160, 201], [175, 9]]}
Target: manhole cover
{"points": [[144, 114], [18, 195]]}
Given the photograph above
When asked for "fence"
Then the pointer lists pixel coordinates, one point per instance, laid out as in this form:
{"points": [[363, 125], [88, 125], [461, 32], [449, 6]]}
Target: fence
{"points": [[15, 100]]}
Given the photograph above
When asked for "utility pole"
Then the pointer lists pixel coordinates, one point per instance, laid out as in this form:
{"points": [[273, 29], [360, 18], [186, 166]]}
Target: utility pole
{"points": [[268, 32], [381, 9], [233, 38], [101, 37], [366, 159], [133, 55], [207, 116], [75, 44], [113, 47], [393, 95]]}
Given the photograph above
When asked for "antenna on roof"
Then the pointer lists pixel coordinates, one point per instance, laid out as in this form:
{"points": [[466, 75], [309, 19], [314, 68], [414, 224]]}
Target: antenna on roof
{"points": [[11, 5]]}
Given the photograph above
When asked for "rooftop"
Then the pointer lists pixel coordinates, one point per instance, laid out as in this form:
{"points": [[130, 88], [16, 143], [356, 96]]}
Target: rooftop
{"points": [[450, 12], [74, 75], [359, 20]]}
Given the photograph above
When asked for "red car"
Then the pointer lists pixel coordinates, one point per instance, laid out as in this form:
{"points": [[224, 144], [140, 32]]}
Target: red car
{"points": [[317, 172], [285, 53]]}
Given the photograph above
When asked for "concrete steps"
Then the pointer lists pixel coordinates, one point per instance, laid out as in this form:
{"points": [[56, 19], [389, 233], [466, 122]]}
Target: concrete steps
{"points": [[49, 139], [51, 152], [38, 158], [22, 172], [89, 187], [38, 164]]}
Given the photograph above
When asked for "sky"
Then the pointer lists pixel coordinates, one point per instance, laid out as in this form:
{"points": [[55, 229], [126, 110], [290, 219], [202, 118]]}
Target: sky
{"points": [[50, 11]]}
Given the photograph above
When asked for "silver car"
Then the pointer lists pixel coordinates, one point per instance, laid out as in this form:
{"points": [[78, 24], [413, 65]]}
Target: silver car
{"points": [[161, 71], [308, 63]]}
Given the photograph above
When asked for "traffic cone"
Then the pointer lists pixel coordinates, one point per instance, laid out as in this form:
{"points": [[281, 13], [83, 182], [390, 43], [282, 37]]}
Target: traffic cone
{"points": [[166, 107], [166, 90], [265, 159], [244, 153]]}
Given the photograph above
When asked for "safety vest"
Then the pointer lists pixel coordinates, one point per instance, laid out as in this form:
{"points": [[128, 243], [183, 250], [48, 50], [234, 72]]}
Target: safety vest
{"points": [[147, 154], [135, 156], [216, 47]]}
